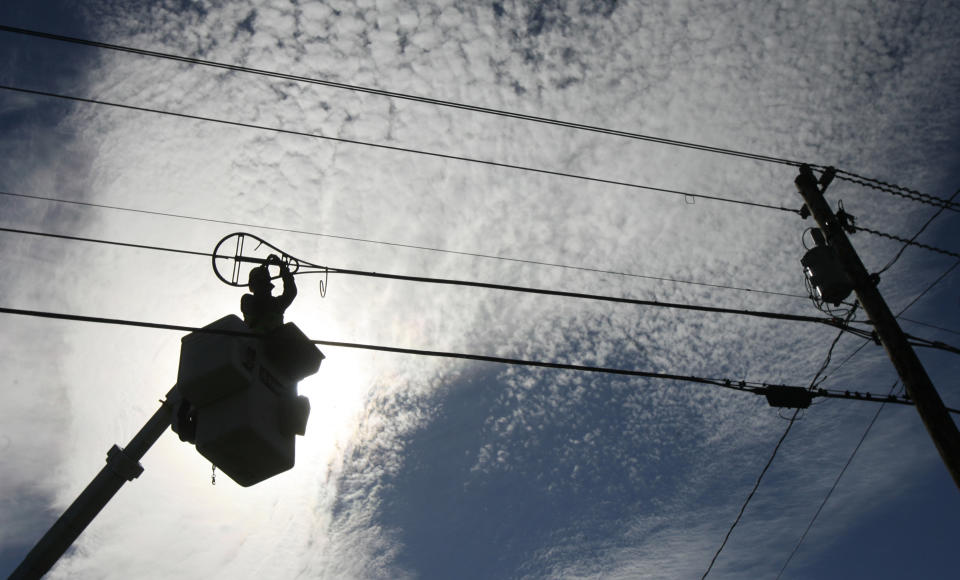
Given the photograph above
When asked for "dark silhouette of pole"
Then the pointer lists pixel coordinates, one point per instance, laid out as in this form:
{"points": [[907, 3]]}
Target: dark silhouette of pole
{"points": [[932, 411], [122, 466]]}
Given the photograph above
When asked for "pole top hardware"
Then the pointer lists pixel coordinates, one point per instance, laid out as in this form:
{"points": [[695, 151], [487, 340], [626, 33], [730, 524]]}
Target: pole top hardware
{"points": [[847, 221]]}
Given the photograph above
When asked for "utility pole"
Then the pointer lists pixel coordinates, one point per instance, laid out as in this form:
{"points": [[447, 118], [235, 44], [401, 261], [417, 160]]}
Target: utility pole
{"points": [[122, 466], [932, 411]]}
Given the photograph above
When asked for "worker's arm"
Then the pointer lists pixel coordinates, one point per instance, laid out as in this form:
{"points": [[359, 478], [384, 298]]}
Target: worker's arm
{"points": [[289, 286]]}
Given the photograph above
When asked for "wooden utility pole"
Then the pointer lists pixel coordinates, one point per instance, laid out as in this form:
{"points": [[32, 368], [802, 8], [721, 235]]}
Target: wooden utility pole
{"points": [[932, 411]]}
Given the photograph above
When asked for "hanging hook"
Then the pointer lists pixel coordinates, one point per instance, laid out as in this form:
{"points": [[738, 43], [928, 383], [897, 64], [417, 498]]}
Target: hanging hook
{"points": [[324, 283]]}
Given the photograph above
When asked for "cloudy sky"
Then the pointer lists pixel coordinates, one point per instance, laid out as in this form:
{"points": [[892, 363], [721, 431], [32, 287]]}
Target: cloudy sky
{"points": [[415, 467]]}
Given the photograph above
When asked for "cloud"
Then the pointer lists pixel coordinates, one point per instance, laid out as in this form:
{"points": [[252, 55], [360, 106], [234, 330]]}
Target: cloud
{"points": [[514, 472]]}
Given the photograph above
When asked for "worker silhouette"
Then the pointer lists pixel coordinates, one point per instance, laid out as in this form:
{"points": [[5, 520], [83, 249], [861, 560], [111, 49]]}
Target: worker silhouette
{"points": [[262, 311]]}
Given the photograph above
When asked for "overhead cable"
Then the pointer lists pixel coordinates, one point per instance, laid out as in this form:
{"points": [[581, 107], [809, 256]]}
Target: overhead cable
{"points": [[725, 383], [756, 486], [404, 96], [913, 239], [935, 344], [928, 325], [842, 174], [701, 308], [467, 283], [929, 287], [891, 262], [897, 190], [833, 487], [403, 149], [868, 397], [908, 242], [753, 491], [753, 387], [400, 245]]}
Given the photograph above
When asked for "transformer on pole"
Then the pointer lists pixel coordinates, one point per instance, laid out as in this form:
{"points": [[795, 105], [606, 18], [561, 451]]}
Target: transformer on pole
{"points": [[941, 427]]}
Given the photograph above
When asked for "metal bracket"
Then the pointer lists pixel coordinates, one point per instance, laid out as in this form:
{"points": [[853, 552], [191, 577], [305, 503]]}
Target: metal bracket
{"points": [[125, 467], [847, 221]]}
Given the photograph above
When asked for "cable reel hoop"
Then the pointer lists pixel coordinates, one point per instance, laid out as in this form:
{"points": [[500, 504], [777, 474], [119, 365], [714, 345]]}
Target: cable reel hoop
{"points": [[233, 258]]}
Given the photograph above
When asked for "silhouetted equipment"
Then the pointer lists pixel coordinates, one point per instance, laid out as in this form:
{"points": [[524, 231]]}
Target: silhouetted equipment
{"points": [[232, 257], [825, 273], [123, 465], [789, 397], [241, 392], [943, 431], [235, 399]]}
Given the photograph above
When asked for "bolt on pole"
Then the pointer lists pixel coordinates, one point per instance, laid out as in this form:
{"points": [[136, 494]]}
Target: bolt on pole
{"points": [[932, 411]]}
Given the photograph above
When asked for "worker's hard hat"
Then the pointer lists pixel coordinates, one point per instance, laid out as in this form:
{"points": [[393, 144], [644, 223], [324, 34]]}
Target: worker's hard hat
{"points": [[259, 276]]}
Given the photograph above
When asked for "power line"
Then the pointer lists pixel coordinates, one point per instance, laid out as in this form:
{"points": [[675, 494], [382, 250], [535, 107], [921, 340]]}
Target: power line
{"points": [[467, 283], [402, 149], [907, 242], [897, 190], [752, 492], [842, 174], [833, 487], [635, 301], [935, 344], [404, 96], [919, 296], [929, 287], [106, 242], [399, 245], [912, 240], [868, 397], [742, 386], [776, 448], [725, 383], [928, 325], [757, 388]]}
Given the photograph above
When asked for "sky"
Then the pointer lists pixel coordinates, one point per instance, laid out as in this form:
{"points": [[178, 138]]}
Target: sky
{"points": [[418, 467]]}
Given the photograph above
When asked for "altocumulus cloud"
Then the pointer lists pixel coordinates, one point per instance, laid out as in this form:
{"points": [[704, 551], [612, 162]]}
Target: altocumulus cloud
{"points": [[440, 469]]}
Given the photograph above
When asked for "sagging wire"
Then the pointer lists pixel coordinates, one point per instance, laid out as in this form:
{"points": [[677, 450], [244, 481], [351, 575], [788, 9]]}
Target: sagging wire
{"points": [[897, 190], [836, 482], [745, 386], [306, 267], [797, 416], [773, 455], [916, 235], [935, 344], [908, 242]]}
